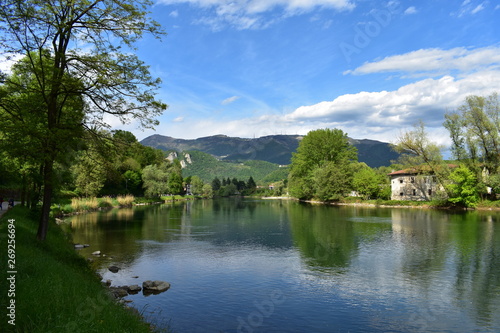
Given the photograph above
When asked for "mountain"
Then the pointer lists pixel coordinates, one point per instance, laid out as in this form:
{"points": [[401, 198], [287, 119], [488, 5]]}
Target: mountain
{"points": [[207, 167], [273, 148]]}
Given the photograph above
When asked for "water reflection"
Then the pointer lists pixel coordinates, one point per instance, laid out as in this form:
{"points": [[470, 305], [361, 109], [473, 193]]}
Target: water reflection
{"points": [[339, 268]]}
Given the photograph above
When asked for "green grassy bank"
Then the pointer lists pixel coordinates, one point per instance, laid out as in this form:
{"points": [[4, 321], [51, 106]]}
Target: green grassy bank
{"points": [[53, 289]]}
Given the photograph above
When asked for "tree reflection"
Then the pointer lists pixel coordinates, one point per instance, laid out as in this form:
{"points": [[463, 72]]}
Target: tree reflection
{"points": [[323, 236]]}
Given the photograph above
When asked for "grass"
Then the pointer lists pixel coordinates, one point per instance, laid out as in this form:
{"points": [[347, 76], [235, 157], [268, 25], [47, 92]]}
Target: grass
{"points": [[126, 200], [55, 290], [73, 205]]}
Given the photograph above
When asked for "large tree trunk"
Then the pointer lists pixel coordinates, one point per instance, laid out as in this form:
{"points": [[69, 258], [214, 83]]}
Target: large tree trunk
{"points": [[43, 224]]}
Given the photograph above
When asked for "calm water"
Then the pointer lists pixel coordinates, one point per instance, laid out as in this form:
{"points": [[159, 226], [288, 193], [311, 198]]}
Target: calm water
{"points": [[276, 266]]}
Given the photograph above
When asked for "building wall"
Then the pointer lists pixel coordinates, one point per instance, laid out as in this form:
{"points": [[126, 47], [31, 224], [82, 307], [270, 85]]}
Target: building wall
{"points": [[413, 187]]}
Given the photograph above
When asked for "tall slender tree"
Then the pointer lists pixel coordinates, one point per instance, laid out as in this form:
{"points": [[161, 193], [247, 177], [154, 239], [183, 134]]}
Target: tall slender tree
{"points": [[91, 41], [475, 132]]}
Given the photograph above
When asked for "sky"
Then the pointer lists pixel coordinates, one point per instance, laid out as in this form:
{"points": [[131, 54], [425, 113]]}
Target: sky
{"points": [[250, 68]]}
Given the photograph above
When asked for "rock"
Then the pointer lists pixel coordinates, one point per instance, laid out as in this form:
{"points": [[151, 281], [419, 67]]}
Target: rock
{"points": [[155, 286], [133, 289], [86, 245], [135, 277], [118, 292], [108, 282], [96, 253], [114, 269], [79, 246]]}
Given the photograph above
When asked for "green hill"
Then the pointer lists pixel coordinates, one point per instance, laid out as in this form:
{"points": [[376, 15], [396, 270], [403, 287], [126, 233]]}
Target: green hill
{"points": [[207, 167], [276, 149]]}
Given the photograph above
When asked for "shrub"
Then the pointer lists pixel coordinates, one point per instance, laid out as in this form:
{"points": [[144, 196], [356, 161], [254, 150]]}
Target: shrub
{"points": [[126, 200], [106, 202]]}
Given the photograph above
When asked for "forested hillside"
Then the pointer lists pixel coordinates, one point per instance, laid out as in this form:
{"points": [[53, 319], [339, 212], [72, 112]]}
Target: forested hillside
{"points": [[274, 148], [208, 167]]}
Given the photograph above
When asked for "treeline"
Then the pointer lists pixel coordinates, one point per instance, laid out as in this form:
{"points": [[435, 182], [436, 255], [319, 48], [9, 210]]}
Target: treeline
{"points": [[325, 166], [207, 167], [100, 164], [474, 130], [228, 187]]}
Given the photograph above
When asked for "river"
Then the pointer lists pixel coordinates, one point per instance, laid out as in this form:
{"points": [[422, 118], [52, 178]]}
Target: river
{"points": [[246, 265]]}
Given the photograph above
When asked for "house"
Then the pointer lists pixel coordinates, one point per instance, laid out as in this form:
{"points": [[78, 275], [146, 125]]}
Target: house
{"points": [[415, 184]]}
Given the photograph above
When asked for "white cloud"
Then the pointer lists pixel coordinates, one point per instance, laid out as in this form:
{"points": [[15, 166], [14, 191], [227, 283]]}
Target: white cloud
{"points": [[468, 7], [381, 115], [8, 60], [174, 13], [410, 10], [179, 119], [435, 61], [230, 100], [377, 115], [248, 14], [479, 8]]}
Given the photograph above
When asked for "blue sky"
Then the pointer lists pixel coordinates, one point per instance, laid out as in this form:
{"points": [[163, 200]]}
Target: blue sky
{"points": [[251, 68]]}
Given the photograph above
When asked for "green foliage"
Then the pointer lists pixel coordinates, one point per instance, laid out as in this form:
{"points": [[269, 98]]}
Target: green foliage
{"points": [[419, 152], [196, 185], [474, 130], [367, 183], [320, 164], [57, 290], [90, 173], [175, 183], [463, 188], [208, 192], [208, 167], [155, 180], [332, 181], [61, 90]]}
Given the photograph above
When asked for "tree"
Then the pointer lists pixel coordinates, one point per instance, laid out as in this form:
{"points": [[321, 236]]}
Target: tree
{"points": [[155, 180], [367, 182], [90, 41], [175, 183], [216, 184], [475, 133], [417, 151], [332, 181], [251, 185], [208, 191], [319, 148], [24, 127], [463, 190], [90, 172], [196, 185]]}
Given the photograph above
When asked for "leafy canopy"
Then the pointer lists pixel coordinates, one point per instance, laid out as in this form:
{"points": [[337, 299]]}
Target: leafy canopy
{"points": [[314, 164]]}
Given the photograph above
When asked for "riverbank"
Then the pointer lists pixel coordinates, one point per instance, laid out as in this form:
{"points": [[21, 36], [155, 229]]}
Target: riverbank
{"points": [[484, 205], [49, 287]]}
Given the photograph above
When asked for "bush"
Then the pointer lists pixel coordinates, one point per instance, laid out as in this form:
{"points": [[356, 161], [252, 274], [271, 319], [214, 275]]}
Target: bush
{"points": [[126, 200], [106, 202]]}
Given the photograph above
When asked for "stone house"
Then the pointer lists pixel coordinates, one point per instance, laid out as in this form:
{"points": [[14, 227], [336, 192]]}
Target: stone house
{"points": [[413, 184]]}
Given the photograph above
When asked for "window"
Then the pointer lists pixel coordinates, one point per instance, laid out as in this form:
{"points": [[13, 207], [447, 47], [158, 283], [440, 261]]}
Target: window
{"points": [[401, 194], [401, 181], [414, 192], [430, 192], [412, 179]]}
